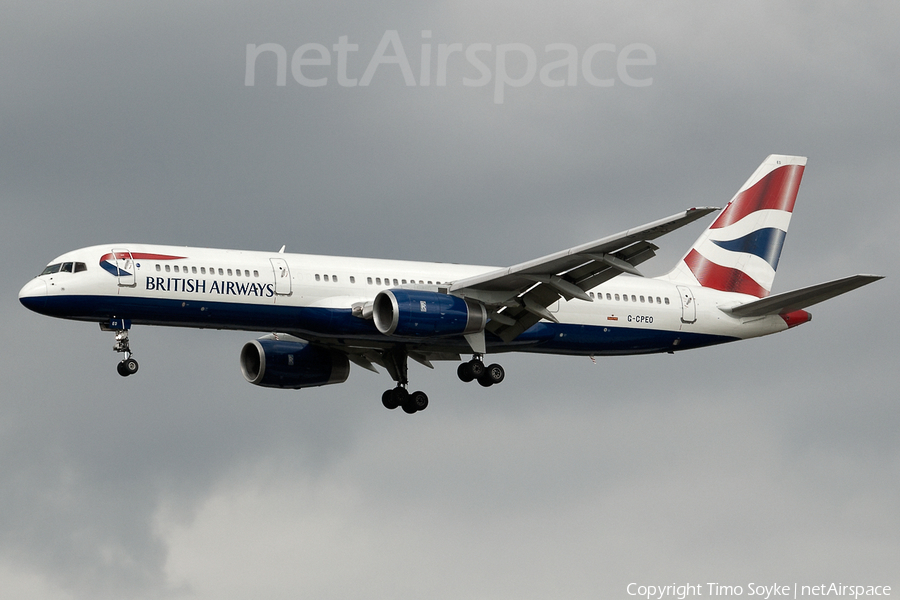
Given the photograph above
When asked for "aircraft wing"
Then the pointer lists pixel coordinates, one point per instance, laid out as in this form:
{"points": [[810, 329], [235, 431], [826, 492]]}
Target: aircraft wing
{"points": [[518, 297], [786, 302]]}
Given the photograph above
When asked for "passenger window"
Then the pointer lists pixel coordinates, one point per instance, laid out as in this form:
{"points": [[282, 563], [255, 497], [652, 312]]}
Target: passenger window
{"points": [[334, 278], [318, 278], [168, 269], [609, 296], [650, 299], [158, 268], [203, 270], [176, 268], [642, 298], [633, 298], [229, 272], [369, 280], [255, 273], [403, 281], [220, 271], [352, 279], [667, 299], [625, 297], [395, 282], [617, 297]]}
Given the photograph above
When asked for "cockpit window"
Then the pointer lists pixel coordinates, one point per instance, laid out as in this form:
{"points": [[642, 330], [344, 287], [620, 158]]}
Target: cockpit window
{"points": [[66, 267]]}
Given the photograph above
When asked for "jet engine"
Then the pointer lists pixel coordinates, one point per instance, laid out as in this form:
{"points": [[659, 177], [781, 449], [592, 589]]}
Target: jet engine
{"points": [[292, 364], [423, 313]]}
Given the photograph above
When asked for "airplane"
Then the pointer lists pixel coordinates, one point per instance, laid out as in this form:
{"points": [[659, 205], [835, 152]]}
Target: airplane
{"points": [[320, 313]]}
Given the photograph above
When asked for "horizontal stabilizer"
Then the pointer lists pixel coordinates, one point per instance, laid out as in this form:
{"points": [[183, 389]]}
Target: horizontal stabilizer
{"points": [[787, 302]]}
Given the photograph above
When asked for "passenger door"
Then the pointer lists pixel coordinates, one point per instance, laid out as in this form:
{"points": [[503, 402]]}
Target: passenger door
{"points": [[282, 276], [688, 305], [124, 262]]}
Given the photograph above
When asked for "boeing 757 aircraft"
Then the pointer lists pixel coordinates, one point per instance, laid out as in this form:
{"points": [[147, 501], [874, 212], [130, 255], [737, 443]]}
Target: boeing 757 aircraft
{"points": [[323, 312]]}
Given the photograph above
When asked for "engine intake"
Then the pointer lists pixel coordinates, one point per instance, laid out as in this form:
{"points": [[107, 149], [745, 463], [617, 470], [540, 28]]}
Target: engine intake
{"points": [[422, 313], [292, 365]]}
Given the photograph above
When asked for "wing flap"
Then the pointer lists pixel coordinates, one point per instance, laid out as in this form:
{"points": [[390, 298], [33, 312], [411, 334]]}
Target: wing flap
{"points": [[513, 278], [520, 295]]}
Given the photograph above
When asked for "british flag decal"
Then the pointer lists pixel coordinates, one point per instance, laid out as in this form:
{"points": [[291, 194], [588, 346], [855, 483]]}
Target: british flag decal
{"points": [[121, 262], [740, 250]]}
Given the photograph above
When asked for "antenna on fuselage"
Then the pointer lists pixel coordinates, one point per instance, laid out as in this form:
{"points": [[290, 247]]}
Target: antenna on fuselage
{"points": [[282, 249]]}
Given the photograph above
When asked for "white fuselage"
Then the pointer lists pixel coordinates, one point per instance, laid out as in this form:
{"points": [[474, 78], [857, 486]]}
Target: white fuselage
{"points": [[313, 296]]}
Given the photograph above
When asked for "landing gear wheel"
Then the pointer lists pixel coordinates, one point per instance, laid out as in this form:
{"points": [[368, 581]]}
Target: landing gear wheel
{"points": [[470, 371], [417, 401], [476, 367], [414, 402], [493, 375], [396, 397], [127, 367], [389, 399]]}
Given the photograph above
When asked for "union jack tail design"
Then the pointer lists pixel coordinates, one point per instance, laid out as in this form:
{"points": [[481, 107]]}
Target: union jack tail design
{"points": [[740, 250]]}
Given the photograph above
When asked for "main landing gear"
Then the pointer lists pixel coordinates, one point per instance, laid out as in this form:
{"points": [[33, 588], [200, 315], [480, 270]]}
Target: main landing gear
{"points": [[400, 396], [396, 361], [474, 370]]}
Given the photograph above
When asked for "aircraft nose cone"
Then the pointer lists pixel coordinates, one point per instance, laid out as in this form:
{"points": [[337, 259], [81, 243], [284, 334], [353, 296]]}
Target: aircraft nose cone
{"points": [[33, 295]]}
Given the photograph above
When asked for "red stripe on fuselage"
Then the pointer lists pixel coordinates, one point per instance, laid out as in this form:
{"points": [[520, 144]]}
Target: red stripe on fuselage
{"points": [[140, 256]]}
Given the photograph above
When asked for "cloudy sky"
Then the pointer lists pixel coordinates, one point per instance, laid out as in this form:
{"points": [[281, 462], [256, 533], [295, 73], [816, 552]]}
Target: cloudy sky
{"points": [[771, 460]]}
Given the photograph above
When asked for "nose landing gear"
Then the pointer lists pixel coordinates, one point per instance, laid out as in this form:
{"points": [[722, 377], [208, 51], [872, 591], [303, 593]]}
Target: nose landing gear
{"points": [[127, 366]]}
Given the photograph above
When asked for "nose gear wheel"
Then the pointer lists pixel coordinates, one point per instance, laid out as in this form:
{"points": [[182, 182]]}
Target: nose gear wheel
{"points": [[128, 365]]}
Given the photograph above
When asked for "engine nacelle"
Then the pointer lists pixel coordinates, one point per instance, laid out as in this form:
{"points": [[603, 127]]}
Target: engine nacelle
{"points": [[424, 314], [293, 365]]}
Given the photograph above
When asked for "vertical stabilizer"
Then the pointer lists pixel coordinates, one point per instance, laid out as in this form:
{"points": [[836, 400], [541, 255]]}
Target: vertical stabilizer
{"points": [[740, 250]]}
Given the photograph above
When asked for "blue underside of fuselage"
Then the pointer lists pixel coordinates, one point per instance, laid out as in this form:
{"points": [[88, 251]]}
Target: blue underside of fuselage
{"points": [[551, 338]]}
